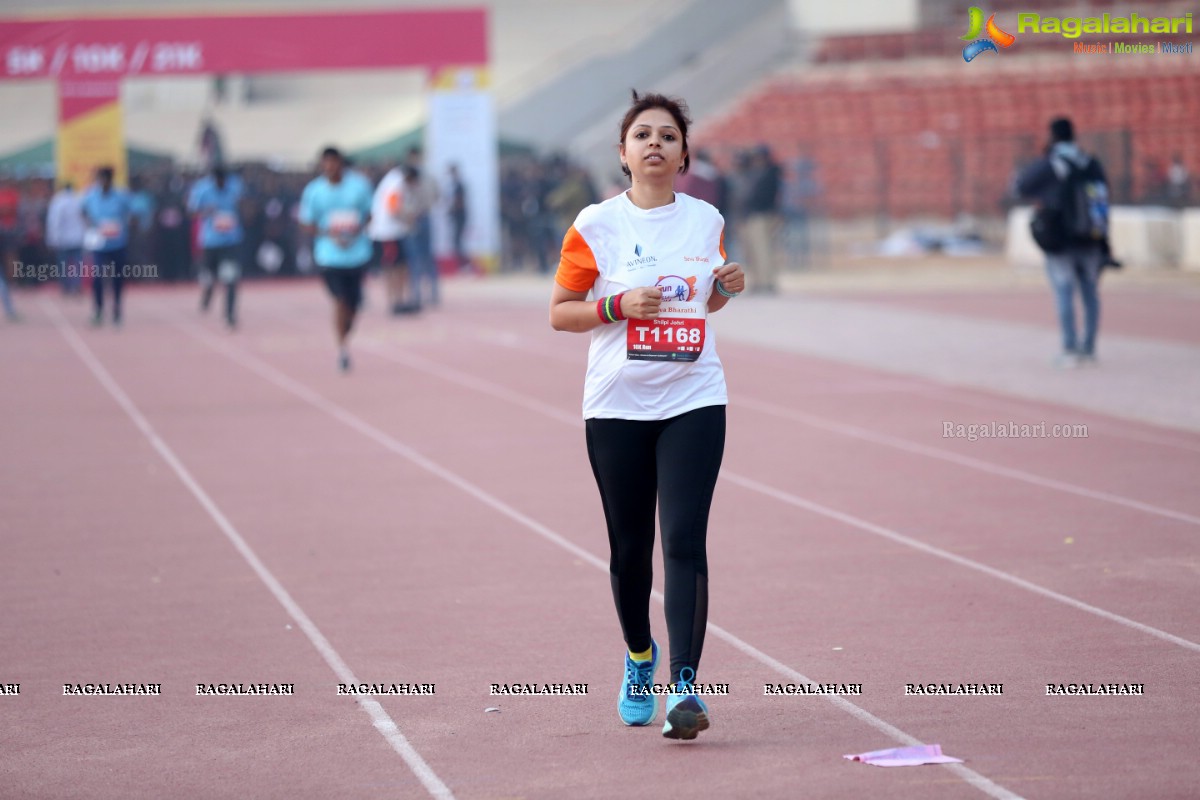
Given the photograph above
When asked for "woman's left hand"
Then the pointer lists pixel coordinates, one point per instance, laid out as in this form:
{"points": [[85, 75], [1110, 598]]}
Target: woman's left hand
{"points": [[731, 277]]}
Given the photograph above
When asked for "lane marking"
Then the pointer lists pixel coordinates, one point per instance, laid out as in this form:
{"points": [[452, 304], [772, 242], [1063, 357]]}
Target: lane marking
{"points": [[468, 381], [900, 384], [1107, 427], [380, 719], [915, 448], [916, 544], [886, 383], [883, 384], [272, 375], [532, 404]]}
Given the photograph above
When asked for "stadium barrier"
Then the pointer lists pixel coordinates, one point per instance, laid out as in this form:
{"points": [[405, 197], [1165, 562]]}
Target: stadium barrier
{"points": [[1143, 237], [1189, 250]]}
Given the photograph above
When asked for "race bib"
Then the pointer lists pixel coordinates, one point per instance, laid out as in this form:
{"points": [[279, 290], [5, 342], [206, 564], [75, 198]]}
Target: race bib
{"points": [[343, 224], [110, 228], [224, 222], [677, 333], [93, 239]]}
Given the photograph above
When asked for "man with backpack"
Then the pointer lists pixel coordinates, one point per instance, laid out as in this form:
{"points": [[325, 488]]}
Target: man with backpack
{"points": [[1070, 224]]}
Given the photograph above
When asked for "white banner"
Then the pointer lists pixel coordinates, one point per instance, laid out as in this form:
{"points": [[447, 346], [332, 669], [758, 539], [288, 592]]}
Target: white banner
{"points": [[462, 132]]}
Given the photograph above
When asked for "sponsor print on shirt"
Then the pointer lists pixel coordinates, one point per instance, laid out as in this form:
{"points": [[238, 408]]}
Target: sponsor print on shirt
{"points": [[224, 222], [343, 225], [677, 333]]}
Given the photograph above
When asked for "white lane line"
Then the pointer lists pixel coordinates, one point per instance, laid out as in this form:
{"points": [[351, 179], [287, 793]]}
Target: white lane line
{"points": [[379, 717], [448, 374], [274, 376], [468, 381], [532, 404], [1107, 427], [972, 777], [916, 544], [915, 448], [844, 429]]}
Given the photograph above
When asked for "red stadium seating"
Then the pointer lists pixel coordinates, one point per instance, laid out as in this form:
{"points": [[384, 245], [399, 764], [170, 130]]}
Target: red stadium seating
{"points": [[939, 137]]}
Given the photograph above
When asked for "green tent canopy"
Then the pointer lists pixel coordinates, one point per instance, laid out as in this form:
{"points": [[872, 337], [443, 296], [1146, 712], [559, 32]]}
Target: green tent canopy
{"points": [[395, 149], [39, 159]]}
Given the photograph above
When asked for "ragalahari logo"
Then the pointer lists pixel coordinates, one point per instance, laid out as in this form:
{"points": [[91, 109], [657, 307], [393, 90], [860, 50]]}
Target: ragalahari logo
{"points": [[975, 27]]}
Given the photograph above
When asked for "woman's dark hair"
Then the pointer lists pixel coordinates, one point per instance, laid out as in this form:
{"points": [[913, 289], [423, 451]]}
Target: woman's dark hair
{"points": [[674, 106]]}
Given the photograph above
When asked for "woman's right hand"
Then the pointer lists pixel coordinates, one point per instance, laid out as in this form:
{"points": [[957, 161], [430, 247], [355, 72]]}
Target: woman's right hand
{"points": [[642, 303]]}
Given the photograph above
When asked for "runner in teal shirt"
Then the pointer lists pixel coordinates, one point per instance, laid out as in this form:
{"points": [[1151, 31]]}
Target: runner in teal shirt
{"points": [[335, 209], [106, 209], [215, 198], [338, 207]]}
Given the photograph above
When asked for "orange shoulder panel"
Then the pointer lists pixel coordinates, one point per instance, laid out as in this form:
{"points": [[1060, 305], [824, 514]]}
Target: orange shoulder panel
{"points": [[577, 268]]}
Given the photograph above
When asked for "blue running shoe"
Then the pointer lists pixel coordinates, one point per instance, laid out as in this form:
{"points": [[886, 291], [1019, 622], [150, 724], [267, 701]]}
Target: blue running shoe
{"points": [[637, 704], [686, 713]]}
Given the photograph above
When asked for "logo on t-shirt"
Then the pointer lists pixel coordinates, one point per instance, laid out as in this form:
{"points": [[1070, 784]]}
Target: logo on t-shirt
{"points": [[640, 260], [677, 289]]}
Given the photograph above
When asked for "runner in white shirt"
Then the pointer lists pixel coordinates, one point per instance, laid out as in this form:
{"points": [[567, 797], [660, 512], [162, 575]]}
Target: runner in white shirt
{"points": [[654, 400], [387, 230], [65, 228]]}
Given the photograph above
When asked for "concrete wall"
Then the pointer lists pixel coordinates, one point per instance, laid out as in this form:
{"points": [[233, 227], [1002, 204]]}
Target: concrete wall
{"points": [[1143, 237], [823, 18], [1189, 250], [1146, 238]]}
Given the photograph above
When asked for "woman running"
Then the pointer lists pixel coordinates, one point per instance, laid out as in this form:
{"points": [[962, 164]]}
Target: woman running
{"points": [[654, 397]]}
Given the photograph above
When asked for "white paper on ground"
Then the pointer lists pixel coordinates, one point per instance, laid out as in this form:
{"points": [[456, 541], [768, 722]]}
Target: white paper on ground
{"points": [[905, 756]]}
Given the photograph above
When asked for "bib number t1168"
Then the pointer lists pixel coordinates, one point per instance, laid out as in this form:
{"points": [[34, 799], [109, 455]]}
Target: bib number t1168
{"points": [[670, 337]]}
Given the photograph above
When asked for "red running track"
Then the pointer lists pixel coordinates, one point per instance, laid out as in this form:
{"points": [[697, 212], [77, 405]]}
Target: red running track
{"points": [[183, 505], [1159, 313]]}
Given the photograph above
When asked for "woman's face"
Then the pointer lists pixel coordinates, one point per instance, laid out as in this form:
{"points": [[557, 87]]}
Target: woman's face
{"points": [[653, 146]]}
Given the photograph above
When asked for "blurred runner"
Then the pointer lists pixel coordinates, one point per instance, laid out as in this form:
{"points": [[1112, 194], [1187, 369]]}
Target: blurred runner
{"points": [[335, 209], [215, 200], [107, 212], [64, 235], [420, 196], [10, 203], [388, 230]]}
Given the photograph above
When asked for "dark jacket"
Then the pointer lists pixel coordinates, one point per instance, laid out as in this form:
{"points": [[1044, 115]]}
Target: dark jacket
{"points": [[1040, 180], [765, 183]]}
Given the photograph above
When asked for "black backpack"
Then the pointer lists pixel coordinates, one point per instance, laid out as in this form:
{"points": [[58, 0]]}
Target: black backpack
{"points": [[1079, 214]]}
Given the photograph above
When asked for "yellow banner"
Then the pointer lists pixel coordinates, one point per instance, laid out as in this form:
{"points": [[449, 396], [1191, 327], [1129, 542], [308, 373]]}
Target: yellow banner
{"points": [[449, 79], [91, 140]]}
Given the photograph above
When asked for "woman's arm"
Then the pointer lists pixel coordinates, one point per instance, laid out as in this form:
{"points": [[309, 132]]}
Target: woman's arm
{"points": [[570, 311], [733, 279]]}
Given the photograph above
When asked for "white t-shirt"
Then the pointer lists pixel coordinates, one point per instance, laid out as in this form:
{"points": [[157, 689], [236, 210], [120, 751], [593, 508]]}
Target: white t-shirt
{"points": [[386, 207], [637, 369]]}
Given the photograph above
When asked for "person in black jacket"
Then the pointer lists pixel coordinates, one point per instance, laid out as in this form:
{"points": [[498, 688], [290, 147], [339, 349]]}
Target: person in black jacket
{"points": [[1078, 263], [762, 221]]}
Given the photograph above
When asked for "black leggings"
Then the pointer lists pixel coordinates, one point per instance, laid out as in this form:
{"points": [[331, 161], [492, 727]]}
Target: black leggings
{"points": [[674, 461]]}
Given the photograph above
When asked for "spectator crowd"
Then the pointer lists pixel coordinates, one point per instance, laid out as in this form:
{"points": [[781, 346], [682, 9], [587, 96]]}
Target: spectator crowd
{"points": [[767, 207]]}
